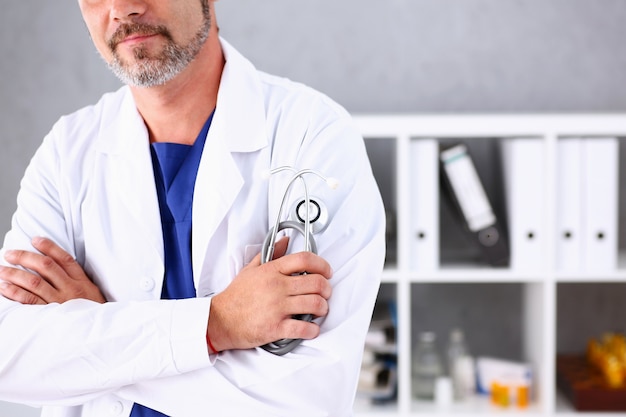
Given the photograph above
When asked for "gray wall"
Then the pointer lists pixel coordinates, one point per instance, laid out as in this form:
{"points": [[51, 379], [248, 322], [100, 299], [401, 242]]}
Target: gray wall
{"points": [[371, 56], [442, 55]]}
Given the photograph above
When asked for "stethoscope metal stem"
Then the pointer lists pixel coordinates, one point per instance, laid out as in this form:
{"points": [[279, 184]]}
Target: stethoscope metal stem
{"points": [[298, 175]]}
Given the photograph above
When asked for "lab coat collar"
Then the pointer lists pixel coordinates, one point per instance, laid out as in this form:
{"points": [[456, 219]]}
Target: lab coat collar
{"points": [[239, 116], [122, 129], [240, 103]]}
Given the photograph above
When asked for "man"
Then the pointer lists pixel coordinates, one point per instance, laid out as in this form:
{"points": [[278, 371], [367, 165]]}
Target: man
{"points": [[132, 286]]}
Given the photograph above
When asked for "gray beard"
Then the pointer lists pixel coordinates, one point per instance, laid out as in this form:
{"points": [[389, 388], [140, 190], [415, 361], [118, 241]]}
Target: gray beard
{"points": [[150, 71]]}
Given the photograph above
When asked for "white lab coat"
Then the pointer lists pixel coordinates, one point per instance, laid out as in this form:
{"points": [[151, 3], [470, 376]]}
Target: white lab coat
{"points": [[90, 188]]}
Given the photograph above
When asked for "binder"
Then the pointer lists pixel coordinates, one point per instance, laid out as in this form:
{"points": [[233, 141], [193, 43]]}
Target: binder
{"points": [[523, 169], [473, 204], [600, 203], [568, 217], [424, 204]]}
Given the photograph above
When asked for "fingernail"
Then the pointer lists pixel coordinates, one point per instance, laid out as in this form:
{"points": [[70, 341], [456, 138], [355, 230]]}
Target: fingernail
{"points": [[9, 254]]}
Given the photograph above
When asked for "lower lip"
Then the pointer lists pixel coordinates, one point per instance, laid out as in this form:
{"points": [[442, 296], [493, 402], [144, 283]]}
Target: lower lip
{"points": [[137, 39]]}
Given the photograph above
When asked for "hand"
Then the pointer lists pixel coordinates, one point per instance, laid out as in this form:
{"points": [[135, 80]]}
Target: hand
{"points": [[257, 307], [57, 277]]}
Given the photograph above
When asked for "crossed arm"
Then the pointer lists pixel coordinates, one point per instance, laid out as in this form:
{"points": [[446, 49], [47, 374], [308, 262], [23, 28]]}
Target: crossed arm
{"points": [[255, 309], [57, 277]]}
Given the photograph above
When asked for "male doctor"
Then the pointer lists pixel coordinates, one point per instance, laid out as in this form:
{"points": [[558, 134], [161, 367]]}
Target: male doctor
{"points": [[132, 284]]}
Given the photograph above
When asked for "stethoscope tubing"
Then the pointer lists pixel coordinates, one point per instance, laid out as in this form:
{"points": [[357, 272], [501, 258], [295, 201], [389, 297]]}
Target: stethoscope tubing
{"points": [[284, 346]]}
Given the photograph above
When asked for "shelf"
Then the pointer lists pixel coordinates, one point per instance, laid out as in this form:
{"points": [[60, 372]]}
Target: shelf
{"points": [[591, 277], [477, 275], [460, 274], [364, 408], [564, 409], [476, 406], [473, 274], [438, 276]]}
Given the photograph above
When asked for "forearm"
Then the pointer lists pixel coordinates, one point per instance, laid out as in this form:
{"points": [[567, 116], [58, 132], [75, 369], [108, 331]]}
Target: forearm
{"points": [[319, 378], [67, 354], [307, 382]]}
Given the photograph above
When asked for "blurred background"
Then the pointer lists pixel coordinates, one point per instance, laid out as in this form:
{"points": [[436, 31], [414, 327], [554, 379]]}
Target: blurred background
{"points": [[396, 56]]}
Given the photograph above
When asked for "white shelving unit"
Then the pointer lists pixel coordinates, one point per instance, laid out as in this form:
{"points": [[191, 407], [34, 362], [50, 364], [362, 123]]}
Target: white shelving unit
{"points": [[539, 285]]}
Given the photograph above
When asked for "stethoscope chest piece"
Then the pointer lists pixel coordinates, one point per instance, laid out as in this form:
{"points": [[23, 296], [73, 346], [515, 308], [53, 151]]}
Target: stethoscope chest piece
{"points": [[317, 213]]}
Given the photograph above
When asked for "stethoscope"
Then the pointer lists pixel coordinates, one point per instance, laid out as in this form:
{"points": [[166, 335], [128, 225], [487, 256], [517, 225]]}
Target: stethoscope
{"points": [[308, 215]]}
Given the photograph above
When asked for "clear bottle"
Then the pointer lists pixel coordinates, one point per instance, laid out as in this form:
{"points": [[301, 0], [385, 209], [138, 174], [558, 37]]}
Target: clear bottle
{"points": [[427, 366], [456, 349], [457, 364]]}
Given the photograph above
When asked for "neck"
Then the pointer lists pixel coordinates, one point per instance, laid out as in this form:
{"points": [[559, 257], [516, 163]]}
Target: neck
{"points": [[176, 111]]}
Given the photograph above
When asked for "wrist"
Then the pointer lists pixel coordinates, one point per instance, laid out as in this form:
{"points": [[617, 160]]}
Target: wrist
{"points": [[212, 349], [215, 338]]}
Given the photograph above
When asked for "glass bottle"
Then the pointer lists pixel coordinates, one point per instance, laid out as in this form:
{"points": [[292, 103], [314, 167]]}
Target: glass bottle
{"points": [[426, 366], [456, 349], [459, 365]]}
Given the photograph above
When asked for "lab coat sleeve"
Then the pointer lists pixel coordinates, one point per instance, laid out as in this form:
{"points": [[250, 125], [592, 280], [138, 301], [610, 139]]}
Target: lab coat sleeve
{"points": [[319, 378], [70, 353]]}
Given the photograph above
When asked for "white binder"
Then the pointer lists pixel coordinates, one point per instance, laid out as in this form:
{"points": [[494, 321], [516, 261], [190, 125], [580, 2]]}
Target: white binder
{"points": [[569, 204], [599, 203], [424, 204], [523, 162]]}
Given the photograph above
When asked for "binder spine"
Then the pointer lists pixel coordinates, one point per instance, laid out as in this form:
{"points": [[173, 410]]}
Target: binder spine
{"points": [[600, 203], [424, 204]]}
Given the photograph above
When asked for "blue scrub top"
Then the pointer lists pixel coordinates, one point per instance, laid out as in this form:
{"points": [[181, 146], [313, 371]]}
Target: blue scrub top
{"points": [[175, 170]]}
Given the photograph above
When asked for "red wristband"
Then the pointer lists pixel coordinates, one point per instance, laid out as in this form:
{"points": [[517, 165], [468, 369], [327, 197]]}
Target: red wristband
{"points": [[211, 347]]}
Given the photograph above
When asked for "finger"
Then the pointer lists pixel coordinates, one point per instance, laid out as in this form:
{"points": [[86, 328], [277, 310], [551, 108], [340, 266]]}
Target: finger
{"points": [[256, 261], [280, 248], [297, 263], [298, 329], [307, 304], [59, 255], [23, 286], [309, 284], [43, 265], [18, 294]]}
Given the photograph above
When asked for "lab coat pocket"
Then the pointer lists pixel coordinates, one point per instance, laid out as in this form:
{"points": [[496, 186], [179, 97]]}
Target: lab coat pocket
{"points": [[250, 252], [258, 368]]}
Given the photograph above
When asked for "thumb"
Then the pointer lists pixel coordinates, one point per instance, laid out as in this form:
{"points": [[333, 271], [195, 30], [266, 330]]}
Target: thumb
{"points": [[280, 248]]}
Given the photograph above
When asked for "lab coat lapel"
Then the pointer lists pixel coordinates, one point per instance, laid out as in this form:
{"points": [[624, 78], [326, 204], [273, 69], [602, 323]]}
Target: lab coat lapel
{"points": [[128, 146], [238, 126], [217, 185]]}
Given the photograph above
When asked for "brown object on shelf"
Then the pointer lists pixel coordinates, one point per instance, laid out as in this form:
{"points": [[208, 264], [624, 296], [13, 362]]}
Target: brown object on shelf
{"points": [[585, 386]]}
